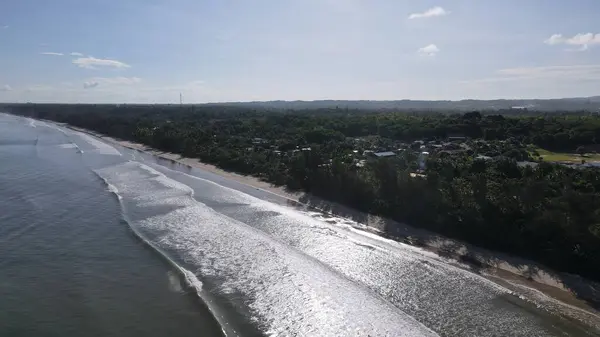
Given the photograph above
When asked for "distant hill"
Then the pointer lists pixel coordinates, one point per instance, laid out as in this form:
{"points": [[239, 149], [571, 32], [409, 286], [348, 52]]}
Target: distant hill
{"points": [[588, 104], [564, 104]]}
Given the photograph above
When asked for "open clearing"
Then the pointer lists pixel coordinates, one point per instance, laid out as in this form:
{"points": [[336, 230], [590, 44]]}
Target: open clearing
{"points": [[550, 156]]}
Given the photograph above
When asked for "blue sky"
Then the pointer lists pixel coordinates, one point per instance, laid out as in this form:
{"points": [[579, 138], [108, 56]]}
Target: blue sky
{"points": [[235, 50]]}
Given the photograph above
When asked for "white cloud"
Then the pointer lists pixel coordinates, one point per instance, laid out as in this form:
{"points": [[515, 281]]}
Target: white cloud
{"points": [[582, 40], [5, 87], [76, 54], [52, 53], [554, 39], [4, 27], [432, 12], [430, 50], [92, 62], [90, 85]]}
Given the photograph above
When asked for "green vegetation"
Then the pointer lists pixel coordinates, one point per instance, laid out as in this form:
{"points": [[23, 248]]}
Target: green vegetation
{"points": [[473, 187], [550, 156]]}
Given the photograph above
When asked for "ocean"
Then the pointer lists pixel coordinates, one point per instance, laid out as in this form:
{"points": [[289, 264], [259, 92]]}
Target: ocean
{"points": [[101, 240]]}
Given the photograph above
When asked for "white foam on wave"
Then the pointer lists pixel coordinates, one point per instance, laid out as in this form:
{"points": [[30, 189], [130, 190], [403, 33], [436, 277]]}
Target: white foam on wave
{"points": [[31, 122], [174, 282], [113, 189], [164, 181], [71, 146], [100, 146], [286, 292], [401, 273], [189, 277], [349, 229], [68, 146], [542, 300], [51, 126], [166, 191], [316, 220]]}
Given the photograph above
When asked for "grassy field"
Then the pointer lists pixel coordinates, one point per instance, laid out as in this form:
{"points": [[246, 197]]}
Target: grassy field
{"points": [[546, 155]]}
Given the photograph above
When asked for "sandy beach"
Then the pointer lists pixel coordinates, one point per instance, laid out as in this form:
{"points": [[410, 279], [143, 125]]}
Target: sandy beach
{"points": [[574, 297]]}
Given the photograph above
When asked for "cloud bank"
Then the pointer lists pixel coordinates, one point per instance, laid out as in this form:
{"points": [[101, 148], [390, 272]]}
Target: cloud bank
{"points": [[582, 40]]}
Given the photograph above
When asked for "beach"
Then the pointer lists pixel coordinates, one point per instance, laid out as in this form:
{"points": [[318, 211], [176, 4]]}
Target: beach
{"points": [[580, 296]]}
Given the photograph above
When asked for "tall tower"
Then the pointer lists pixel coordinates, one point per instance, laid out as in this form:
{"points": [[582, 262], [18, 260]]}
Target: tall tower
{"points": [[180, 99]]}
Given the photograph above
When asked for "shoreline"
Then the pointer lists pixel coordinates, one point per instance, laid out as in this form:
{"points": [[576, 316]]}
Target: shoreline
{"points": [[580, 297]]}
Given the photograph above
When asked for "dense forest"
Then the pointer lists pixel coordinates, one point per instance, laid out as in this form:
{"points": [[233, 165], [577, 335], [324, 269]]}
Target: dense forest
{"points": [[547, 212]]}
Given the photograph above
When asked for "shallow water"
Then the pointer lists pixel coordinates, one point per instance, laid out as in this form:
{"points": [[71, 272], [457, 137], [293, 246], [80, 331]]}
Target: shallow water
{"points": [[100, 240]]}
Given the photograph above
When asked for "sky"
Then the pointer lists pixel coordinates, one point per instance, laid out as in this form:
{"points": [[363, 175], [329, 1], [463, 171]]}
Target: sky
{"points": [[150, 51]]}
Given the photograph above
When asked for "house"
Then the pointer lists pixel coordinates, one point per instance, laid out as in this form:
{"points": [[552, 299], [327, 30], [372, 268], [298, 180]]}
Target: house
{"points": [[384, 154]]}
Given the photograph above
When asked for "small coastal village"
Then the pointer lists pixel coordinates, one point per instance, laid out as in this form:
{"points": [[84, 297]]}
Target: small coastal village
{"points": [[372, 148]]}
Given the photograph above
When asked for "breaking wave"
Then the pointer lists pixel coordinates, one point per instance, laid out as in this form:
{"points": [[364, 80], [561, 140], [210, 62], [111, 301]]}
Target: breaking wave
{"points": [[281, 289], [100, 147], [189, 279]]}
